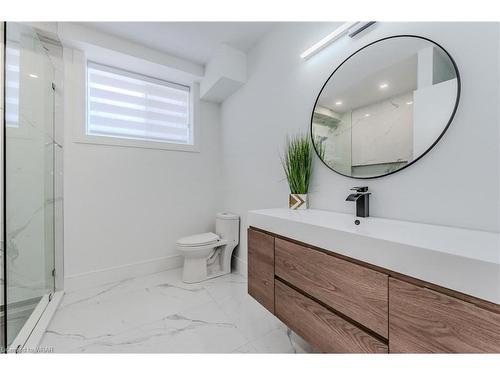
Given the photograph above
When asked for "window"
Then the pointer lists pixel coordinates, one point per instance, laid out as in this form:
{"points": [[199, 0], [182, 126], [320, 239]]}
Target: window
{"points": [[12, 61], [130, 106]]}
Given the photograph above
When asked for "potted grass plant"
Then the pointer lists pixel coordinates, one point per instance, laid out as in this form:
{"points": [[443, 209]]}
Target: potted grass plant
{"points": [[297, 164]]}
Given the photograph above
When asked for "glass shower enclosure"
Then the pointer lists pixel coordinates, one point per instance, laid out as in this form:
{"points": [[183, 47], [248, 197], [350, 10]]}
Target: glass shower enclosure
{"points": [[28, 183]]}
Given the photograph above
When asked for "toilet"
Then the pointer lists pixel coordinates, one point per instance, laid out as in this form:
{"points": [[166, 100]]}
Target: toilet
{"points": [[208, 255]]}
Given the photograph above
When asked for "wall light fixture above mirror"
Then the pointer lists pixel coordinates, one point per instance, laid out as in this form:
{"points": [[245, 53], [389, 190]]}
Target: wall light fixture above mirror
{"points": [[385, 106]]}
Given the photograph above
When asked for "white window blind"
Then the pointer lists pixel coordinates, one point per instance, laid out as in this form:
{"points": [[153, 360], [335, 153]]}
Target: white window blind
{"points": [[12, 61], [127, 105]]}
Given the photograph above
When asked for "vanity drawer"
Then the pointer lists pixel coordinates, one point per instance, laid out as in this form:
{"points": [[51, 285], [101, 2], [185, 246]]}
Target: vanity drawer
{"points": [[324, 330], [426, 321], [354, 291], [261, 268]]}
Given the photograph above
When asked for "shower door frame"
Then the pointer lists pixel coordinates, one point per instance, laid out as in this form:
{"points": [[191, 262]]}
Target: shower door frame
{"points": [[3, 304], [32, 331]]}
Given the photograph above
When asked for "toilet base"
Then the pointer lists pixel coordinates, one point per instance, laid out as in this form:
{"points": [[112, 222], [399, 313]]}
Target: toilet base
{"points": [[206, 263], [195, 271]]}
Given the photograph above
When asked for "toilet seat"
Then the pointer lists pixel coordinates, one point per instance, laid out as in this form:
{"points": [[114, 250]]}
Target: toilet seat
{"points": [[196, 240]]}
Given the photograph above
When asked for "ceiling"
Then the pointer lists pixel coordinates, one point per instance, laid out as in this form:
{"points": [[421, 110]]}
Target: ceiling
{"points": [[194, 41], [401, 78], [357, 82]]}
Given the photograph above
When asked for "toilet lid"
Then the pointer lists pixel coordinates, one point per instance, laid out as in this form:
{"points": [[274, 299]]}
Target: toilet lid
{"points": [[198, 239]]}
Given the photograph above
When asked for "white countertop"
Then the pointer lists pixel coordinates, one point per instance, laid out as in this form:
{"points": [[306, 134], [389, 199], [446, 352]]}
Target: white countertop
{"points": [[461, 259]]}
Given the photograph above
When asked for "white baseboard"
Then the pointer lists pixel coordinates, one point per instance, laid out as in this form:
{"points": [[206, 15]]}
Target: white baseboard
{"points": [[119, 273], [240, 266]]}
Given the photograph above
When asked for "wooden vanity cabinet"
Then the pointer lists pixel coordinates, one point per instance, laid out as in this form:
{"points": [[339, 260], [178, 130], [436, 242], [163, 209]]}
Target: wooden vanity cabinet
{"points": [[342, 305], [323, 329], [426, 321], [350, 289], [261, 268]]}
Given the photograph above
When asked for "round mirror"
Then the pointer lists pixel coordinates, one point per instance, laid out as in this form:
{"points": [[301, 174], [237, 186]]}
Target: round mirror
{"points": [[385, 106]]}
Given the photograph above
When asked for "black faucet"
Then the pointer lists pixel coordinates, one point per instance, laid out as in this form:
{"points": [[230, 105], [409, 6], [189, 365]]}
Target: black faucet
{"points": [[361, 197]]}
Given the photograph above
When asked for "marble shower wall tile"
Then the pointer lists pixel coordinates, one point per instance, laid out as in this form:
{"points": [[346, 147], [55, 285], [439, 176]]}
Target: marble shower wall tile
{"points": [[382, 132]]}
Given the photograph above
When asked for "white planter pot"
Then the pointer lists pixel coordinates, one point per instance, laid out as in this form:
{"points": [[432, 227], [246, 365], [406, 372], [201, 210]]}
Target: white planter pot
{"points": [[298, 201]]}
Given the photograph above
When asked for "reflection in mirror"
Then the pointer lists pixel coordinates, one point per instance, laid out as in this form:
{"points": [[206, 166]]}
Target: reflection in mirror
{"points": [[385, 106]]}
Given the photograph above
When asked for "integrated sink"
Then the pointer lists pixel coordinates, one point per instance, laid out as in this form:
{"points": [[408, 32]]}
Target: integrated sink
{"points": [[455, 258]]}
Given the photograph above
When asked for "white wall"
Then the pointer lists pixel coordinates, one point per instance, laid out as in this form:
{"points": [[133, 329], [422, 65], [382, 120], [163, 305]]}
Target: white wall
{"points": [[455, 184], [125, 207], [432, 106]]}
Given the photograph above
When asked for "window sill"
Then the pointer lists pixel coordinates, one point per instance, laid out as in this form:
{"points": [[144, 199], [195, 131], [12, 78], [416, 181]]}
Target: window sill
{"points": [[121, 142]]}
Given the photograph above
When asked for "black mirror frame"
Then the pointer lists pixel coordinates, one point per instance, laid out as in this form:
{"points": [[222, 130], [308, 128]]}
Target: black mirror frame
{"points": [[459, 88]]}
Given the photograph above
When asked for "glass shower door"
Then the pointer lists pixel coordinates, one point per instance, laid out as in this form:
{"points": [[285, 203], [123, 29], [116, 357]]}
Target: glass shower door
{"points": [[29, 178]]}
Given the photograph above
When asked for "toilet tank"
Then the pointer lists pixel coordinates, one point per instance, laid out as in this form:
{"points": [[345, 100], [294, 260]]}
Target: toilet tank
{"points": [[227, 226]]}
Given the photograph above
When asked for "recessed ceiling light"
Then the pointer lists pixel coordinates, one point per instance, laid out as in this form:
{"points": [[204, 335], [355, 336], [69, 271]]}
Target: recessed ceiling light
{"points": [[367, 115], [338, 103], [409, 103], [32, 75], [384, 85]]}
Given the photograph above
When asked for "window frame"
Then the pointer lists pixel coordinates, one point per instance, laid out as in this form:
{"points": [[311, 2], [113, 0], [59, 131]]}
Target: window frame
{"points": [[81, 135]]}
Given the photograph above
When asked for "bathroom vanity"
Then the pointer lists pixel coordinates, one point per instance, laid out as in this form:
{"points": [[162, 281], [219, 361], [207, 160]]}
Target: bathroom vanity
{"points": [[383, 286]]}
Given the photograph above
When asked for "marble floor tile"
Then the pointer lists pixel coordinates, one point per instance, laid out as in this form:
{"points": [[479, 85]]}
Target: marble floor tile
{"points": [[202, 329], [159, 313], [250, 317], [281, 340]]}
